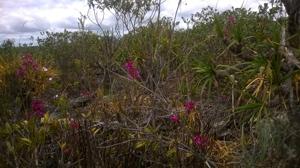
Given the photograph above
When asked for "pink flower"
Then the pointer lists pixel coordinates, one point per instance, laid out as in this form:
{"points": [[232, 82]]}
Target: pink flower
{"points": [[85, 94], [132, 71], [21, 71], [189, 106], [174, 118], [74, 124], [28, 63], [200, 141], [231, 20], [129, 65], [38, 108], [67, 151]]}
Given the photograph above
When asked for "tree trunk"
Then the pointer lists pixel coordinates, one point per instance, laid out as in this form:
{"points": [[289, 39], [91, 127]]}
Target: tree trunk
{"points": [[293, 9]]}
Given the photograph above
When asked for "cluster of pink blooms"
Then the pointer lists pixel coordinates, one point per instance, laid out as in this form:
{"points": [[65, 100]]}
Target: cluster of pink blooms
{"points": [[27, 64], [231, 21], [85, 94], [74, 124], [174, 118], [200, 141], [38, 108], [132, 70], [189, 106], [67, 151]]}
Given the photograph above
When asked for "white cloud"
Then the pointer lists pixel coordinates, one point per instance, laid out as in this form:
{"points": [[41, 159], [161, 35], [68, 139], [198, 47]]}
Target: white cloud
{"points": [[31, 16]]}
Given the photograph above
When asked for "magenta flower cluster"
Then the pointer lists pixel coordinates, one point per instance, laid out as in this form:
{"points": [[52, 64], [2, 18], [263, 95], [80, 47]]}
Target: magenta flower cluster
{"points": [[174, 118], [85, 94], [27, 64], [189, 106], [74, 124], [231, 20], [38, 108], [200, 141], [132, 70]]}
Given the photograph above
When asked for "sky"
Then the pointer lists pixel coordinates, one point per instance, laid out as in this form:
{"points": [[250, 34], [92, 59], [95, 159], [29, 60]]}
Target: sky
{"points": [[21, 19]]}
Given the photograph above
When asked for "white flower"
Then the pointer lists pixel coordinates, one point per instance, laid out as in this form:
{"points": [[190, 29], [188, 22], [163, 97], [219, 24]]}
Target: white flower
{"points": [[50, 79], [45, 69]]}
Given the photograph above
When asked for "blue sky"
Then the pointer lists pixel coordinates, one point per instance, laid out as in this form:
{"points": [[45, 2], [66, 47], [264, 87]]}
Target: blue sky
{"points": [[21, 19]]}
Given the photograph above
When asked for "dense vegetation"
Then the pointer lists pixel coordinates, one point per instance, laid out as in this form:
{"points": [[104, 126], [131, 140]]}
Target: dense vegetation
{"points": [[147, 94]]}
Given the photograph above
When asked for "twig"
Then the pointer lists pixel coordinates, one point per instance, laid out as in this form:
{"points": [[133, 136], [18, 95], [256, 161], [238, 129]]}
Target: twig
{"points": [[121, 143]]}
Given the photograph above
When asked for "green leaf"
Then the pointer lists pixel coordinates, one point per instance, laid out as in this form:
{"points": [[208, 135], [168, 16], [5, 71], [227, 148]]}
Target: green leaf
{"points": [[171, 152], [26, 141], [8, 128], [95, 131], [251, 106], [189, 154], [140, 144], [9, 147]]}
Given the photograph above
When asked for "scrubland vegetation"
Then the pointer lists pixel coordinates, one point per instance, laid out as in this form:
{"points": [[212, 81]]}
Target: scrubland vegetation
{"points": [[221, 93]]}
